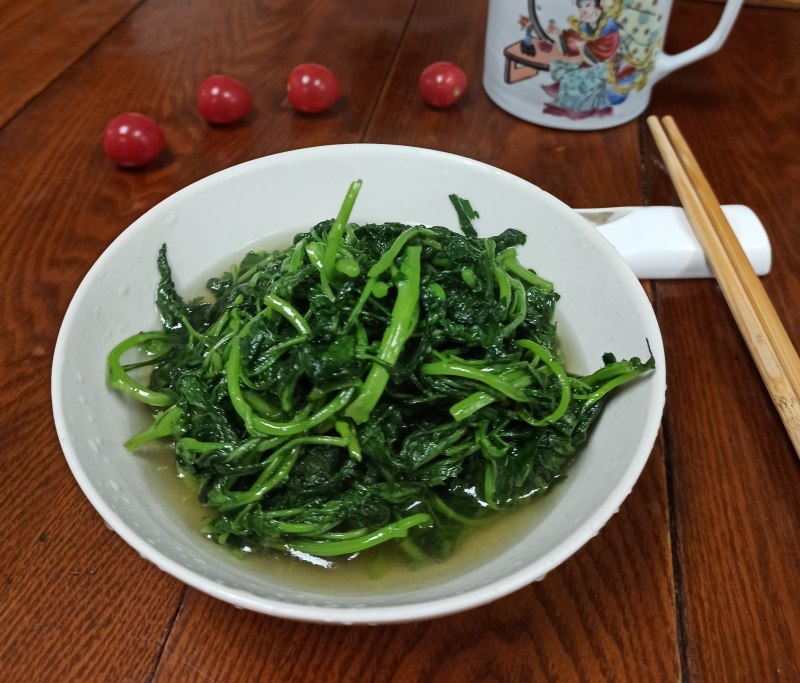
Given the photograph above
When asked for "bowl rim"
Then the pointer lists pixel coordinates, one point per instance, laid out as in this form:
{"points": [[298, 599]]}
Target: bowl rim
{"points": [[398, 613]]}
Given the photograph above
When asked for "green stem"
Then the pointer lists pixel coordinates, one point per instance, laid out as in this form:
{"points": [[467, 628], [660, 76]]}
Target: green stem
{"points": [[277, 351], [489, 450], [162, 427], [485, 375], [289, 312], [216, 329], [296, 260], [470, 405], [440, 506], [398, 529], [490, 484], [508, 260], [401, 326], [386, 260], [189, 445], [349, 434], [555, 367], [279, 466], [120, 380], [260, 405], [619, 380], [336, 233], [315, 255], [362, 301], [608, 372], [503, 285], [413, 552], [480, 399], [518, 306], [259, 426], [255, 269], [305, 528], [339, 535], [211, 355], [388, 257]]}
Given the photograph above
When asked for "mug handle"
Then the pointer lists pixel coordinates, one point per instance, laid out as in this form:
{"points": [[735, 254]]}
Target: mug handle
{"points": [[666, 64]]}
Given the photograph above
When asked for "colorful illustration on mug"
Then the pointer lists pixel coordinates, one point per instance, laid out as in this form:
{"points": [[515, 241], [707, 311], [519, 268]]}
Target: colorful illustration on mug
{"points": [[594, 59]]}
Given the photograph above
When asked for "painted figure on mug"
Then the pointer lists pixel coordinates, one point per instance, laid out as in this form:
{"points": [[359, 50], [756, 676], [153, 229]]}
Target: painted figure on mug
{"points": [[598, 58]]}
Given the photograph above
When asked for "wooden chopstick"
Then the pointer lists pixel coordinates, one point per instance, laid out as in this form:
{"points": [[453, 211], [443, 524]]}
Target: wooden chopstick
{"points": [[769, 344], [733, 248]]}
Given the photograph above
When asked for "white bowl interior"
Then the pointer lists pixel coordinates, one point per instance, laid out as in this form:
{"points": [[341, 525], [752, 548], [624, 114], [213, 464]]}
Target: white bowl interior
{"points": [[263, 203]]}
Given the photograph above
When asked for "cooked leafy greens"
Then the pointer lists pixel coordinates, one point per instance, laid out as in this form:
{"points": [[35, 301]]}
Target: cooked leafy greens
{"points": [[367, 383]]}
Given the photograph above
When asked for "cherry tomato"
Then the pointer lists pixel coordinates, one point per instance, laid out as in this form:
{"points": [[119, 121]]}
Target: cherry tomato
{"points": [[133, 140], [312, 88], [223, 99], [442, 84]]}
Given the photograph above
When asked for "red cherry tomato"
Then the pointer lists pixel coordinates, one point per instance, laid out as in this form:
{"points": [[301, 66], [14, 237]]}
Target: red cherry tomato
{"points": [[442, 84], [223, 99], [312, 88], [133, 140]]}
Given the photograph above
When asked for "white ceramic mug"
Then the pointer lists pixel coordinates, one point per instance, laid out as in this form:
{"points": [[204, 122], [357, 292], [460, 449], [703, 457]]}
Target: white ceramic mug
{"points": [[583, 64]]}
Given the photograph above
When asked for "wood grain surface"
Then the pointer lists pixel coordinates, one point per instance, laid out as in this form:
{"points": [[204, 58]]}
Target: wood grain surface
{"points": [[40, 39], [735, 482], [694, 579]]}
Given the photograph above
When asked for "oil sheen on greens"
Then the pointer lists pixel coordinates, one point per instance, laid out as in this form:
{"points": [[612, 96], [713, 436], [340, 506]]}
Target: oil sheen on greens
{"points": [[368, 384]]}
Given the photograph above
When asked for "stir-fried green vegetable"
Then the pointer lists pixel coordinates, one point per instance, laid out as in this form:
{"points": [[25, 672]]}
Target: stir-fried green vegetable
{"points": [[367, 383]]}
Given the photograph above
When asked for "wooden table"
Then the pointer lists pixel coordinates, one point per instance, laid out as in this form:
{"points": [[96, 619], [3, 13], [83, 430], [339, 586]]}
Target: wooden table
{"points": [[696, 578]]}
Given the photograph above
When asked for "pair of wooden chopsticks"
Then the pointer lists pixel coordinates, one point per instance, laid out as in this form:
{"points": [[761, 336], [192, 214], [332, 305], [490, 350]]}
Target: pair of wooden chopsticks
{"points": [[770, 346]]}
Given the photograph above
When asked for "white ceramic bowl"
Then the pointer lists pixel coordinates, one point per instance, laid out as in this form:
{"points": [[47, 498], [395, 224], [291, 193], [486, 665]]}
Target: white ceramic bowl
{"points": [[265, 201]]}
